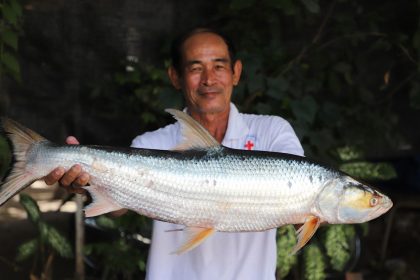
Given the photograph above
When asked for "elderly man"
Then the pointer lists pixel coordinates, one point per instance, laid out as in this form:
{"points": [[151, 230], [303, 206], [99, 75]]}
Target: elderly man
{"points": [[205, 69]]}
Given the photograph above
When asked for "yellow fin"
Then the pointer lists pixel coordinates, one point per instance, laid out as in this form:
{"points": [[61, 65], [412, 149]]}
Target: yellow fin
{"points": [[195, 136], [195, 236], [306, 231]]}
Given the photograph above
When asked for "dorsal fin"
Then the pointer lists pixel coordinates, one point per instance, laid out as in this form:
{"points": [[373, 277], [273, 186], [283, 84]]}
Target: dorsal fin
{"points": [[195, 136]]}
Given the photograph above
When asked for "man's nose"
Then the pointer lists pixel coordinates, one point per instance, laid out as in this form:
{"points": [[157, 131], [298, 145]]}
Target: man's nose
{"points": [[208, 77]]}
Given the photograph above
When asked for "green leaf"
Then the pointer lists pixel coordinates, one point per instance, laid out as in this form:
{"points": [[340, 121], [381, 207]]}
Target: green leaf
{"points": [[10, 62], [337, 245], [286, 240], [59, 243], [27, 249], [370, 171], [31, 207], [277, 87], [305, 109], [347, 153], [314, 263], [17, 7], [311, 5], [106, 222], [9, 14], [10, 38]]}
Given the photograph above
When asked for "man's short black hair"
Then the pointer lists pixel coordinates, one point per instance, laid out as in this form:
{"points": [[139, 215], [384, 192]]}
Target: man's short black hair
{"points": [[178, 42]]}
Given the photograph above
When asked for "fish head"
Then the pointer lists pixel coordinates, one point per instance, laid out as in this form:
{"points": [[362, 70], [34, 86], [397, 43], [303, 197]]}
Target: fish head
{"points": [[346, 201]]}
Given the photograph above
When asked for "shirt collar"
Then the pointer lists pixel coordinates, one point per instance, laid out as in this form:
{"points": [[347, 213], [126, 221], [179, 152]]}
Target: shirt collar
{"points": [[237, 128]]}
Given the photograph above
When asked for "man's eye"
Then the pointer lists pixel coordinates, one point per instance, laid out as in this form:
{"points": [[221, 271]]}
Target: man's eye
{"points": [[220, 67], [195, 69]]}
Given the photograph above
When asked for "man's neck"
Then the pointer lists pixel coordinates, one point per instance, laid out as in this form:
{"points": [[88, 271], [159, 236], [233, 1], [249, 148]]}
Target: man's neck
{"points": [[215, 123]]}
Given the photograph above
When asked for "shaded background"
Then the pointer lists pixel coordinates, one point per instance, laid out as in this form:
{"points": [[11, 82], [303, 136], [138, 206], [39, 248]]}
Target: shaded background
{"points": [[344, 73]]}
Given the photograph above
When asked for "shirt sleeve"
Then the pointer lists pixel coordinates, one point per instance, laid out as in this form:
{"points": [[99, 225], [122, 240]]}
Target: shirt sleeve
{"points": [[283, 138], [162, 139]]}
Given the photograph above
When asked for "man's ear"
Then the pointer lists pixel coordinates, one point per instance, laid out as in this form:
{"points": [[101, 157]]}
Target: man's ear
{"points": [[237, 70], [174, 77]]}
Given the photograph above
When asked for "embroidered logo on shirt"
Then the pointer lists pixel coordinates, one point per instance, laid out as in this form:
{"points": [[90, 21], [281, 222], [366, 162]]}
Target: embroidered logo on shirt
{"points": [[250, 142]]}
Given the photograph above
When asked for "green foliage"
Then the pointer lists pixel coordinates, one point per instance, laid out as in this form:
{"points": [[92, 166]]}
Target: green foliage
{"points": [[136, 93], [48, 242], [314, 263], [370, 171], [10, 27], [118, 258], [337, 240], [27, 250], [125, 257], [286, 240]]}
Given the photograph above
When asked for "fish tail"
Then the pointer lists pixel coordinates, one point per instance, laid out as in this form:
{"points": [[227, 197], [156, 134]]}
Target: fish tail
{"points": [[20, 140]]}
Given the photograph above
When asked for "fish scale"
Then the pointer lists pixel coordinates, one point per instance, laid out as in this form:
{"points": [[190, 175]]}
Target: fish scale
{"points": [[202, 185]]}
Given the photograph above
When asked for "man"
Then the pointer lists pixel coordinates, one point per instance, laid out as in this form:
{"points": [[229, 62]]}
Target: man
{"points": [[205, 70]]}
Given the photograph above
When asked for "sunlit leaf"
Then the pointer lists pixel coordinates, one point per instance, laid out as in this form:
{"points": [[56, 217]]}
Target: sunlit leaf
{"points": [[314, 263], [286, 240], [337, 244], [347, 153], [369, 170]]}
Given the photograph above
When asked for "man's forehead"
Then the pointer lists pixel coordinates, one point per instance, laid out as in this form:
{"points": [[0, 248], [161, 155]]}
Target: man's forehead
{"points": [[205, 45]]}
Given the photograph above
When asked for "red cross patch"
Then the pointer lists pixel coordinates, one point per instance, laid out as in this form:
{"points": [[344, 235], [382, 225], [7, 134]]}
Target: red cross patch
{"points": [[249, 143]]}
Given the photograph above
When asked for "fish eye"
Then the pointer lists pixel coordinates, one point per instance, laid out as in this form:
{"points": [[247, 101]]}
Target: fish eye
{"points": [[373, 201]]}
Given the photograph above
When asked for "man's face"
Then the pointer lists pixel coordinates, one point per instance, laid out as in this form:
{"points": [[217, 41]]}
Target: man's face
{"points": [[207, 78]]}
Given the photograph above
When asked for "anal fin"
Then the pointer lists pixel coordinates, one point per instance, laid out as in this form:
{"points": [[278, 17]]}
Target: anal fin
{"points": [[194, 237], [306, 231], [100, 203]]}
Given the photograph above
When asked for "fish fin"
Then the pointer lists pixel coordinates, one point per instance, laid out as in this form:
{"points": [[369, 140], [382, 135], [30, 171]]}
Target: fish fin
{"points": [[21, 140], [101, 204], [306, 231], [194, 237], [195, 136]]}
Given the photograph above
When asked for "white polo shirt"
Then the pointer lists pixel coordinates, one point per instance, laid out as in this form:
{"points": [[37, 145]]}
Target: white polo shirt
{"points": [[247, 255]]}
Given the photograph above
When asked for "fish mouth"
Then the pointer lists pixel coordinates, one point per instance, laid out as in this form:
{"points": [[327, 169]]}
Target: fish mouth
{"points": [[380, 210]]}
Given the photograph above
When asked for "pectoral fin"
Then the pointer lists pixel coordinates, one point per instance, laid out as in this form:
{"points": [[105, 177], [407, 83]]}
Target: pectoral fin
{"points": [[194, 237], [306, 231]]}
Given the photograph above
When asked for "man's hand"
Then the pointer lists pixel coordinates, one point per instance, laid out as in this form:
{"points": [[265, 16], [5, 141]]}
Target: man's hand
{"points": [[71, 180]]}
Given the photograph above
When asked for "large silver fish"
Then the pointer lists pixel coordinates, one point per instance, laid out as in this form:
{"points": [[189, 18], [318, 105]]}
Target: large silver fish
{"points": [[200, 184]]}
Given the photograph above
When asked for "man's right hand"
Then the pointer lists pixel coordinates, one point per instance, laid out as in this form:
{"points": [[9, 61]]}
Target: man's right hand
{"points": [[71, 180]]}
